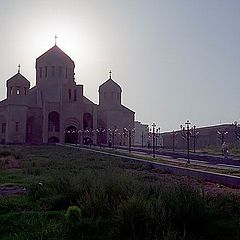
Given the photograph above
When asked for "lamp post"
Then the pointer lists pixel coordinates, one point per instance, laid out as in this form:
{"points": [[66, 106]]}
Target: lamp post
{"points": [[98, 137], [101, 136], [158, 137], [237, 129], [130, 132], [186, 135], [221, 135], [194, 135], [113, 137], [142, 139], [110, 138], [80, 136], [153, 138], [173, 140], [91, 137]]}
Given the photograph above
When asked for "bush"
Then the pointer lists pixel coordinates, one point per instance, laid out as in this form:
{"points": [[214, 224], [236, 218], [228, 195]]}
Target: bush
{"points": [[73, 215], [73, 218]]}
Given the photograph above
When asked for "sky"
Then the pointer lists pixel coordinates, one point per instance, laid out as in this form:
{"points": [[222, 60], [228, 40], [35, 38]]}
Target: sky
{"points": [[174, 59]]}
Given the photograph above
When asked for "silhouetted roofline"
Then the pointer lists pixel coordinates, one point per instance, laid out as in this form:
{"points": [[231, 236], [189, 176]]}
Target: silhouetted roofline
{"points": [[55, 47], [110, 81], [18, 74]]}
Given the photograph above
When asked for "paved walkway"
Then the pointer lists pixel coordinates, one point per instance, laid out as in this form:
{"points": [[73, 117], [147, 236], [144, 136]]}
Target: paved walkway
{"points": [[228, 180], [197, 158]]}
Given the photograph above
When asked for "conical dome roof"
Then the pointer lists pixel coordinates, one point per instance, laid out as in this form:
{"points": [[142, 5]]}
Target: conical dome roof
{"points": [[110, 86], [54, 55], [18, 80]]}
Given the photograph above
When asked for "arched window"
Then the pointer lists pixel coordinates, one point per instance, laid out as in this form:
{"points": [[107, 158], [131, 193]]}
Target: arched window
{"points": [[53, 122]]}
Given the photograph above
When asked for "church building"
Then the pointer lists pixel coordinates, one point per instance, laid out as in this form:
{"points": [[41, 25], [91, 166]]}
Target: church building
{"points": [[55, 110]]}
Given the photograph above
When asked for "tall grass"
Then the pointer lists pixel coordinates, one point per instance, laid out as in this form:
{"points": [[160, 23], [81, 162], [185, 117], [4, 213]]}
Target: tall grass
{"points": [[87, 196]]}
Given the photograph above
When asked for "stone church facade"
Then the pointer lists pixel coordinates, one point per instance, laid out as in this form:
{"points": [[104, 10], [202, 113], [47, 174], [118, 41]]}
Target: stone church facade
{"points": [[55, 110]]}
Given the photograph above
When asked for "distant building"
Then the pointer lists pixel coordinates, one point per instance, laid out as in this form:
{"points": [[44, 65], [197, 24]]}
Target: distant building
{"points": [[141, 136], [55, 110], [211, 136]]}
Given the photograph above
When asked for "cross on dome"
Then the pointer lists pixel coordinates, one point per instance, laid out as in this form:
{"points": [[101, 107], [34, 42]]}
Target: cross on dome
{"points": [[19, 68], [55, 39], [110, 74]]}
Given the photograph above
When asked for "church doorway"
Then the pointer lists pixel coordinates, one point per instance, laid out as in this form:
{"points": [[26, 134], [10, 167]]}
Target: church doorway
{"points": [[71, 134]]}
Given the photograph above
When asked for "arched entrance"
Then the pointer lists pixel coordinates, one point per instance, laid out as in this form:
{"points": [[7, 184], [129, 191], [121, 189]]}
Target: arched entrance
{"points": [[53, 140], [71, 134]]}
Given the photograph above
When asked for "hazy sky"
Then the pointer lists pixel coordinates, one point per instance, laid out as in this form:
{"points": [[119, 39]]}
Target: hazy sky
{"points": [[175, 59]]}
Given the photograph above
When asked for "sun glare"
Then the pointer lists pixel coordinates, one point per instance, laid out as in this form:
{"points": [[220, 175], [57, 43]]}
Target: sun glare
{"points": [[76, 41]]}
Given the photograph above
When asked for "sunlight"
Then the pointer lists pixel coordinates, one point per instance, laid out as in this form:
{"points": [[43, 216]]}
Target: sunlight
{"points": [[76, 41]]}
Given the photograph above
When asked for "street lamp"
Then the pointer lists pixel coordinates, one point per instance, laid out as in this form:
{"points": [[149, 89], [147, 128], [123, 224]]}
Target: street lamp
{"points": [[142, 139], [237, 129], [130, 133], [158, 137], [153, 138], [113, 136], [194, 135], [173, 140], [79, 136], [98, 131], [186, 135], [110, 138], [221, 135]]}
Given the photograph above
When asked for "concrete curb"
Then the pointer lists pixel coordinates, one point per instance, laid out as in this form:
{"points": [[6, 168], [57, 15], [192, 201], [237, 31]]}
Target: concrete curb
{"points": [[224, 179]]}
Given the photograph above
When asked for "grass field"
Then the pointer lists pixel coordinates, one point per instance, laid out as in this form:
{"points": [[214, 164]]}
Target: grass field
{"points": [[75, 194]]}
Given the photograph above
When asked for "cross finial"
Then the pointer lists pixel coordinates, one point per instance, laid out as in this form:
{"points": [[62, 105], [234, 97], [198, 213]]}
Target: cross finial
{"points": [[55, 39], [110, 74], [19, 68]]}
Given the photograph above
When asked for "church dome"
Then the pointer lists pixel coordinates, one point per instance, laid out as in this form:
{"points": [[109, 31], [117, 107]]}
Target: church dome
{"points": [[54, 55], [110, 86], [53, 67], [17, 85], [109, 93], [18, 80]]}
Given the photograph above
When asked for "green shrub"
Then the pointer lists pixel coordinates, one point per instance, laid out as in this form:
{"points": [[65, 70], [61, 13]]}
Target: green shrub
{"points": [[73, 215], [73, 218]]}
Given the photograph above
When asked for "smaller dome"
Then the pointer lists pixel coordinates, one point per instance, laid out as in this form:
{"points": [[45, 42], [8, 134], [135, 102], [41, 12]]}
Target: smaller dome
{"points": [[110, 86], [18, 80]]}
